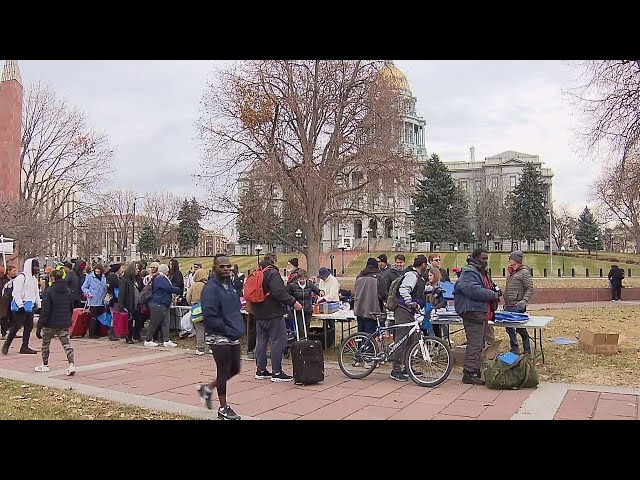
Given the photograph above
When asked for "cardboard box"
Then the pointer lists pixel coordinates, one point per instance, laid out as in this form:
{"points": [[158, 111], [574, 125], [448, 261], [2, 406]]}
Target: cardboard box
{"points": [[598, 343]]}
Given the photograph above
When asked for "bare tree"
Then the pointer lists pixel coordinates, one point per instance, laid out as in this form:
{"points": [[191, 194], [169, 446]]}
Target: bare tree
{"points": [[618, 190], [21, 222], [161, 209], [564, 225], [301, 129], [63, 158], [117, 210], [608, 101]]}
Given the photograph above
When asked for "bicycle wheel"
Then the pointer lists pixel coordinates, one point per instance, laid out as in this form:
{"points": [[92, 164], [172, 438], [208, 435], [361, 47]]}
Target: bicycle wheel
{"points": [[356, 354], [435, 370]]}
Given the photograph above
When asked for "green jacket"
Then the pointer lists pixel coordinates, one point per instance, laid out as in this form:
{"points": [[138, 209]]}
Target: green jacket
{"points": [[519, 286]]}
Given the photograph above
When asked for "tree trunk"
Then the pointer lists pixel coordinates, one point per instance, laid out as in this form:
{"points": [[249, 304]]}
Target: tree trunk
{"points": [[313, 256]]}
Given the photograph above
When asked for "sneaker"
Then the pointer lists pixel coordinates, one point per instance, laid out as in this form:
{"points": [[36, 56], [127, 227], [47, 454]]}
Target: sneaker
{"points": [[199, 352], [416, 373], [264, 375], [191, 334], [27, 350], [42, 368], [398, 376], [281, 377], [150, 344], [169, 343], [3, 337], [251, 355], [183, 334], [227, 413], [71, 370], [205, 395], [130, 341]]}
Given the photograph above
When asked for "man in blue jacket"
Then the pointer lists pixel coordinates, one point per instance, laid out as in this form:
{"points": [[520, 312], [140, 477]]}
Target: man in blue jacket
{"points": [[224, 327], [476, 300]]}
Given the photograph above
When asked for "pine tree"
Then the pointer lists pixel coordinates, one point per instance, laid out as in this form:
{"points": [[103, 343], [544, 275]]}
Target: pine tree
{"points": [[250, 217], [148, 240], [587, 232], [528, 214], [441, 211], [189, 226]]}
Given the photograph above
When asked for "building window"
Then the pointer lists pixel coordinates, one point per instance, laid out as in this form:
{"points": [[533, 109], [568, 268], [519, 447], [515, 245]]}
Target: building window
{"points": [[512, 181], [465, 246], [496, 246], [494, 182], [390, 202], [463, 185], [478, 185]]}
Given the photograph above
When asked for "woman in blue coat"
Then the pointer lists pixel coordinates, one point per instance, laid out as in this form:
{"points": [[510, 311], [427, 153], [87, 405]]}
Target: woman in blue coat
{"points": [[95, 288]]}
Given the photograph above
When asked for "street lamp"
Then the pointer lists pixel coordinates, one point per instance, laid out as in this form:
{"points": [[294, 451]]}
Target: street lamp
{"points": [[133, 230], [562, 249], [411, 233], [342, 248], [596, 239], [258, 250], [368, 231], [550, 245], [298, 236], [488, 235], [455, 249]]}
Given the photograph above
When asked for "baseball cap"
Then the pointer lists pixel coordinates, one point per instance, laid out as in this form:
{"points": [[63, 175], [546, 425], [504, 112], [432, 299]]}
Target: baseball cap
{"points": [[383, 258]]}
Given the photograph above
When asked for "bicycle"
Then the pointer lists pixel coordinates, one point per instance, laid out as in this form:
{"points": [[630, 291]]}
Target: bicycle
{"points": [[428, 359]]}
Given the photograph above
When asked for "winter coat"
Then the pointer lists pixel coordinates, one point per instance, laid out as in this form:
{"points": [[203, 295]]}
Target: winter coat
{"points": [[25, 287], [177, 280], [128, 296], [73, 282], [194, 294], [113, 282], [238, 283], [471, 293], [616, 275], [275, 305], [303, 295], [4, 305], [366, 293], [412, 288], [331, 288], [96, 287], [519, 287], [163, 290], [57, 306], [221, 310]]}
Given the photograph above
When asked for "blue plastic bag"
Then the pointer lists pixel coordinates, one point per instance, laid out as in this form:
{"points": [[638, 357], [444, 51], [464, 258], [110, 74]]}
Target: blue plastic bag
{"points": [[105, 319]]}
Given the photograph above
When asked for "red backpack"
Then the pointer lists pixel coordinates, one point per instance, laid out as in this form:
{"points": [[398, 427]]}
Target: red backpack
{"points": [[253, 289]]}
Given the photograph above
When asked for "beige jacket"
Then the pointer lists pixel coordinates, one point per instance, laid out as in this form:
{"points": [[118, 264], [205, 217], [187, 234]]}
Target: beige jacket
{"points": [[195, 292]]}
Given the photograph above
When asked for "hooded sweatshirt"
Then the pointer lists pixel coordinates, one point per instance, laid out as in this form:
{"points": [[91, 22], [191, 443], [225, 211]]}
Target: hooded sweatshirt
{"points": [[195, 292], [25, 287]]}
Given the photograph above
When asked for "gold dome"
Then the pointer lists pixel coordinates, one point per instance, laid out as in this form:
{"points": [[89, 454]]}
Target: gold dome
{"points": [[395, 76]]}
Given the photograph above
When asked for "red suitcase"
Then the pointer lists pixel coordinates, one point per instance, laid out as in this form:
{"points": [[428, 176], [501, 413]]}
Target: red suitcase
{"points": [[79, 322], [121, 324]]}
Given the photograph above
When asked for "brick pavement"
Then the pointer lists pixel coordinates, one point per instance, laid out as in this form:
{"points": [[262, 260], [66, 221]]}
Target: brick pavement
{"points": [[166, 379]]}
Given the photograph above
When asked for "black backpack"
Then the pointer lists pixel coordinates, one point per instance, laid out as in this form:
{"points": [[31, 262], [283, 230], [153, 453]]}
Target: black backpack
{"points": [[7, 290]]}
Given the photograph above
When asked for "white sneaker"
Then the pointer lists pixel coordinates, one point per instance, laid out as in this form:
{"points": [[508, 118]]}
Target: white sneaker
{"points": [[42, 368], [199, 352], [150, 344], [71, 370], [169, 343]]}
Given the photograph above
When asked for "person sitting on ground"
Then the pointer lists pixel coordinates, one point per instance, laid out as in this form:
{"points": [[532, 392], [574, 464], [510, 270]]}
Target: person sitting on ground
{"points": [[302, 290], [55, 320]]}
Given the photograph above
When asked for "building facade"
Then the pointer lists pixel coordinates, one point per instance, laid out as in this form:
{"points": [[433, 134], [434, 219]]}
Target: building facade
{"points": [[10, 129]]}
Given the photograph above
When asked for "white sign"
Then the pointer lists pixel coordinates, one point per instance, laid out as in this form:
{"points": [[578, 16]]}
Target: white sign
{"points": [[6, 248]]}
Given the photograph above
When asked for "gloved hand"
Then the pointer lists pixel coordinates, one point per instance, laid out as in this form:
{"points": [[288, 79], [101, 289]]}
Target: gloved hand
{"points": [[496, 289], [39, 333], [522, 304]]}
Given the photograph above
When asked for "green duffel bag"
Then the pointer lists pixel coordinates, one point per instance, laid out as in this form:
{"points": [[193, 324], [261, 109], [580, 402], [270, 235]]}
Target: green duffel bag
{"points": [[520, 374]]}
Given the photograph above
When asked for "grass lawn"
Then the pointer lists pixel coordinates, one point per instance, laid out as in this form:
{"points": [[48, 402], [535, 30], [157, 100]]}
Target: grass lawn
{"points": [[245, 262], [498, 261], [20, 401]]}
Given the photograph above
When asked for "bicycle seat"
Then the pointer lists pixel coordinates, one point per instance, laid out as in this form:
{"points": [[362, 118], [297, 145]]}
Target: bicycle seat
{"points": [[378, 314]]}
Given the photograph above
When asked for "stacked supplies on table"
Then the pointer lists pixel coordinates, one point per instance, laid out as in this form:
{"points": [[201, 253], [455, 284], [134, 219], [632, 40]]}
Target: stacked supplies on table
{"points": [[511, 317]]}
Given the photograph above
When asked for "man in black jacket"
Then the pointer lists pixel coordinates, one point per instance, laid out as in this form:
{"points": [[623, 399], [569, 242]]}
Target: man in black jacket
{"points": [[270, 324], [616, 275], [55, 320], [73, 282]]}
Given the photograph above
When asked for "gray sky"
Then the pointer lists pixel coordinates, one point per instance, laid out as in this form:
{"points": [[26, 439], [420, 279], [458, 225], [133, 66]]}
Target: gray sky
{"points": [[149, 109]]}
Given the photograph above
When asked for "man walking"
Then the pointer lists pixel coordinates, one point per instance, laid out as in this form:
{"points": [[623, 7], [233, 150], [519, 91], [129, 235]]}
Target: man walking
{"points": [[270, 324], [26, 300], [476, 301], [73, 282], [517, 294]]}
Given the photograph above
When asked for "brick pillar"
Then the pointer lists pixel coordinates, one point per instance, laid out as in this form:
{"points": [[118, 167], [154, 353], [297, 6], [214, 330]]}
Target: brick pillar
{"points": [[10, 137]]}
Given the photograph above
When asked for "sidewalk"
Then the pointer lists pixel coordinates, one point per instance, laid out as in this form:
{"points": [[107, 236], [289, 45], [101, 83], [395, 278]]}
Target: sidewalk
{"points": [[166, 379]]}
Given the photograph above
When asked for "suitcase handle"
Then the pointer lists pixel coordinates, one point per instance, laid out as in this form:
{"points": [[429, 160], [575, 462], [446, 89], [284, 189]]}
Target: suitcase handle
{"points": [[304, 324]]}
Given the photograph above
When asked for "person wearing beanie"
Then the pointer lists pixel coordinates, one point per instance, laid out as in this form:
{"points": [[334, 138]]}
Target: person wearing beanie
{"points": [[329, 285], [365, 296], [159, 307], [292, 269], [73, 283], [26, 300], [517, 293]]}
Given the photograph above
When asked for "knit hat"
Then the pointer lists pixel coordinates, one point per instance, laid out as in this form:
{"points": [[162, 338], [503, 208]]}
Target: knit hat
{"points": [[35, 263], [294, 261], [323, 273], [163, 268], [419, 260], [383, 258], [68, 265], [372, 262], [114, 267], [517, 256]]}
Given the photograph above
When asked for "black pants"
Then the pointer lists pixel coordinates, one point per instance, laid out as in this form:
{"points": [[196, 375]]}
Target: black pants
{"points": [[227, 358], [251, 332], [401, 316], [20, 319], [136, 322], [94, 324], [616, 291], [4, 323]]}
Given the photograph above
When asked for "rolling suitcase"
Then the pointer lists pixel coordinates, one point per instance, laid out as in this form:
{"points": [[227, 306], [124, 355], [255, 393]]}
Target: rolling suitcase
{"points": [[121, 324], [80, 322], [307, 357]]}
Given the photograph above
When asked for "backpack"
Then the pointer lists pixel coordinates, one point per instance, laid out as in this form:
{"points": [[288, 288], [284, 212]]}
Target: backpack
{"points": [[392, 299], [253, 286], [520, 374], [146, 294], [7, 290]]}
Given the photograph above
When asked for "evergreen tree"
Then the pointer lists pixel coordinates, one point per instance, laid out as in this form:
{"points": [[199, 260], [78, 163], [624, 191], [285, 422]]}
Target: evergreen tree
{"points": [[250, 217], [441, 211], [148, 240], [587, 232], [189, 226], [528, 214]]}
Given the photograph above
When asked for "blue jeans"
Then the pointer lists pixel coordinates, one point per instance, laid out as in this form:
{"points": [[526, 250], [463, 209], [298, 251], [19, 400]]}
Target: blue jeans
{"points": [[513, 339], [366, 325]]}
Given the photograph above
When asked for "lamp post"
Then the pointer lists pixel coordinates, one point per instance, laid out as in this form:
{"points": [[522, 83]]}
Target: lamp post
{"points": [[224, 243], [562, 250], [455, 249], [473, 238], [258, 250], [411, 233], [550, 246], [133, 230], [488, 234], [298, 237], [596, 239], [368, 232], [342, 248]]}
